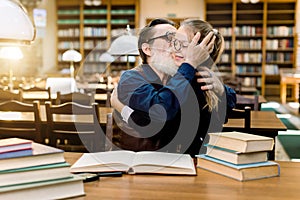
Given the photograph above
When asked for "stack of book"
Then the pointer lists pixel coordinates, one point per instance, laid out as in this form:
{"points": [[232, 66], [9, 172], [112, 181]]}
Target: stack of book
{"points": [[240, 156], [35, 171]]}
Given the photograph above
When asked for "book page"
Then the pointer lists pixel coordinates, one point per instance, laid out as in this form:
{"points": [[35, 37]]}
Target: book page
{"points": [[159, 161], [104, 161]]}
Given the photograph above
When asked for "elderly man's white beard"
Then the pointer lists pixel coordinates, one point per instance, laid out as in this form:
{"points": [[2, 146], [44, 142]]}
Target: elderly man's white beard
{"points": [[163, 62]]}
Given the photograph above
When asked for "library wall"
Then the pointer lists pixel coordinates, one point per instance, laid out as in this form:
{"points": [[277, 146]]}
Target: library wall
{"points": [[171, 8]]}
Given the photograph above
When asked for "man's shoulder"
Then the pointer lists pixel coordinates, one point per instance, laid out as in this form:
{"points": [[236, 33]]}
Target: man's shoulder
{"points": [[137, 69], [134, 72]]}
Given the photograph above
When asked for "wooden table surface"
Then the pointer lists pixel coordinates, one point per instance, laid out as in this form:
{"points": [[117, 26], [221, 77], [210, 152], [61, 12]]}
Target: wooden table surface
{"points": [[260, 120], [206, 185]]}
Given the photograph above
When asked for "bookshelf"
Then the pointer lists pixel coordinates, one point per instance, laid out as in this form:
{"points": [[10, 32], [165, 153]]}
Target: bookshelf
{"points": [[91, 29], [259, 40]]}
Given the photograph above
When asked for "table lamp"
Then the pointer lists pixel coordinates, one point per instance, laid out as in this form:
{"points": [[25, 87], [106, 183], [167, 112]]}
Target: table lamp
{"points": [[250, 1], [125, 45], [16, 26], [71, 56], [106, 58], [11, 53]]}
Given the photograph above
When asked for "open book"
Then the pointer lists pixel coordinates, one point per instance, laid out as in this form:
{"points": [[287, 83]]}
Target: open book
{"points": [[135, 162]]}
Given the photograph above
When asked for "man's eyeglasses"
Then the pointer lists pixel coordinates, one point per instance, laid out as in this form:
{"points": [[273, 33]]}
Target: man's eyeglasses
{"points": [[168, 36], [178, 45]]}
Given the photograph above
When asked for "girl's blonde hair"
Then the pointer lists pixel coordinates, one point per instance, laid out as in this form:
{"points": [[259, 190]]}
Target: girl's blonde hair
{"points": [[197, 25]]}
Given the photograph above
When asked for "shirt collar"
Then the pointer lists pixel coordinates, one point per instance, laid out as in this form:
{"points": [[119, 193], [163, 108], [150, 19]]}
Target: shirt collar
{"points": [[151, 75]]}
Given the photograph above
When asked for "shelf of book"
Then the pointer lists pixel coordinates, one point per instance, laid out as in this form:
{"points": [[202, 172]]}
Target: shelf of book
{"points": [[90, 29], [260, 38]]}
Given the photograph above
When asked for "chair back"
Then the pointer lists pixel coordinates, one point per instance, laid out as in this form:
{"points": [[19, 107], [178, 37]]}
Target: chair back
{"points": [[252, 102], [103, 102], [6, 95], [85, 99], [75, 127], [242, 114], [109, 132], [36, 93], [18, 119]]}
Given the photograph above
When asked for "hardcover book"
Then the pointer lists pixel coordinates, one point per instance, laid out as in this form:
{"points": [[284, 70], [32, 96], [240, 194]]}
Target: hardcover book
{"points": [[236, 157], [53, 189], [14, 144], [135, 162], [19, 153], [41, 155], [241, 142], [34, 174], [243, 172]]}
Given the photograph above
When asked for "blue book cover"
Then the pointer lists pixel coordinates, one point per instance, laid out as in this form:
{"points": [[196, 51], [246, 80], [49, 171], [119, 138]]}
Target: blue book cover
{"points": [[14, 154]]}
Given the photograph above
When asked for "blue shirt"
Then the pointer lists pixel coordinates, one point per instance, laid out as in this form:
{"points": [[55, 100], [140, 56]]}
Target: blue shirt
{"points": [[175, 108]]}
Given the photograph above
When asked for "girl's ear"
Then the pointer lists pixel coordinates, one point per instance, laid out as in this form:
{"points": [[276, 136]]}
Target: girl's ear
{"points": [[146, 49]]}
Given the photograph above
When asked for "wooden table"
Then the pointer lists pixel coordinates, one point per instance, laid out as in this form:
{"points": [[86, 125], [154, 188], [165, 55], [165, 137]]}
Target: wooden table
{"points": [[260, 121], [206, 185], [289, 77], [263, 123]]}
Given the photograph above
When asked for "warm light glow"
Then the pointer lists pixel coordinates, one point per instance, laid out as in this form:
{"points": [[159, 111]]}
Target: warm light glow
{"points": [[250, 1], [92, 2], [16, 26], [11, 115], [71, 55], [12, 53]]}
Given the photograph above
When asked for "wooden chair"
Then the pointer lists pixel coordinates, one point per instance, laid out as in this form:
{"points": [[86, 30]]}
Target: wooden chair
{"points": [[75, 127], [105, 102], [6, 95], [109, 132], [28, 126], [243, 102], [241, 114], [37, 93], [85, 99]]}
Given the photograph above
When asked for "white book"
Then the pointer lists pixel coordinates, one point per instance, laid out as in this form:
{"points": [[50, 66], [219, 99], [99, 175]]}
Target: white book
{"points": [[242, 142], [53, 189]]}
